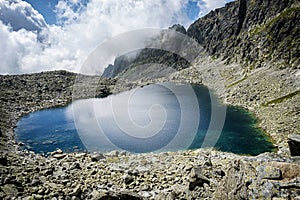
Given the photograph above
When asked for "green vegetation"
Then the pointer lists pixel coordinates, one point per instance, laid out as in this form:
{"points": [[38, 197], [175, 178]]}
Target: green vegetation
{"points": [[285, 13], [281, 99], [112, 159], [270, 23], [237, 82]]}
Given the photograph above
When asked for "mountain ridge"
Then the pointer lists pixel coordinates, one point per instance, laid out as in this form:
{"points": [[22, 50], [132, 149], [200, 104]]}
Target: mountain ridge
{"points": [[253, 33]]}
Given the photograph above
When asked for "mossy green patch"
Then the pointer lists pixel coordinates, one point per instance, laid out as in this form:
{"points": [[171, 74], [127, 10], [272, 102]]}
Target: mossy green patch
{"points": [[281, 99], [112, 159], [284, 14], [236, 82], [270, 23]]}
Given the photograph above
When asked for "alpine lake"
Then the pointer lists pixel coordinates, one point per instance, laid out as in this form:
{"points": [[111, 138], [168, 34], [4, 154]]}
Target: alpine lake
{"points": [[154, 118]]}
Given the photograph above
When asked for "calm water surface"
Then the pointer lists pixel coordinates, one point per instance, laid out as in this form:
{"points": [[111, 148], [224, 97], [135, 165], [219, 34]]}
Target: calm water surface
{"points": [[160, 117]]}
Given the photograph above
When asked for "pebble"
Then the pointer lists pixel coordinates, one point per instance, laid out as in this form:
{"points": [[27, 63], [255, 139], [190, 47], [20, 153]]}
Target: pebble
{"points": [[59, 156]]}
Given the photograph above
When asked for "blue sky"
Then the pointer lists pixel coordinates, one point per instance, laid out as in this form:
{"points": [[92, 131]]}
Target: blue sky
{"points": [[192, 10], [47, 9]]}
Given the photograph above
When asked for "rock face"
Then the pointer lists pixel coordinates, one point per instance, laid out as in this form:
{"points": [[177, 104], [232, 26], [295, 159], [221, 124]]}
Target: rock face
{"points": [[252, 32], [294, 144]]}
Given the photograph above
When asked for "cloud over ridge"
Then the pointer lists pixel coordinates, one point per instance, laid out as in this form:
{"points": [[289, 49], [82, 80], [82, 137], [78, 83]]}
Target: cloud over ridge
{"points": [[30, 45]]}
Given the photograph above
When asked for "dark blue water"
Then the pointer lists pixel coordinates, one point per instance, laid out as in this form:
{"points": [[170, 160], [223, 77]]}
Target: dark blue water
{"points": [[160, 117]]}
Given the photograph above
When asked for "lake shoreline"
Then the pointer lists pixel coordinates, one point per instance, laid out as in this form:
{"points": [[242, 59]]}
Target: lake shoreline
{"points": [[239, 126], [202, 173]]}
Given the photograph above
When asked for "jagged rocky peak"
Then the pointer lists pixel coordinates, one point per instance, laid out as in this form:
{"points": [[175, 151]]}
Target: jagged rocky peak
{"points": [[252, 32], [127, 66], [179, 28], [220, 24]]}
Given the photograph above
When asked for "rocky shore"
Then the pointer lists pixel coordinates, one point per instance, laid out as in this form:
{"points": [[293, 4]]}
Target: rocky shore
{"points": [[200, 174], [270, 93]]}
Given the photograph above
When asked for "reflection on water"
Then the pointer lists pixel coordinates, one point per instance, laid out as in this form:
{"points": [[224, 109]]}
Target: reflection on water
{"points": [[160, 117]]}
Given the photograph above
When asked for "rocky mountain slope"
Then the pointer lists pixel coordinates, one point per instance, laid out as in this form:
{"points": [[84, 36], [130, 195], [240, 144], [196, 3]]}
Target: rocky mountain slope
{"points": [[254, 33]]}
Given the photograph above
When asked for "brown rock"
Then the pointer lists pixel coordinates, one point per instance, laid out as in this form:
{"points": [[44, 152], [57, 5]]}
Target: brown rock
{"points": [[289, 170]]}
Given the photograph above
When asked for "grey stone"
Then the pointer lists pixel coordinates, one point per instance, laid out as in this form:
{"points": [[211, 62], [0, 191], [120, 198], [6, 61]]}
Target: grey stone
{"points": [[269, 172], [75, 165], [113, 154], [128, 179], [123, 153], [28, 198], [197, 179], [76, 191], [3, 160], [142, 169], [59, 156], [293, 184], [79, 155], [294, 144], [220, 173], [35, 182], [9, 189], [97, 157], [58, 151], [21, 144]]}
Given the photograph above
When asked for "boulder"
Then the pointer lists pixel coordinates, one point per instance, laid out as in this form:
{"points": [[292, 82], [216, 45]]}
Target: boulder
{"points": [[59, 156], [75, 165], [76, 191], [113, 154], [9, 189], [3, 160], [294, 144], [289, 170], [269, 172], [58, 151], [197, 179], [127, 179], [80, 155], [97, 157]]}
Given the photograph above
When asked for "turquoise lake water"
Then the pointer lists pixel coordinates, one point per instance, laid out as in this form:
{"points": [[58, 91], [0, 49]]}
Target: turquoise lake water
{"points": [[159, 117]]}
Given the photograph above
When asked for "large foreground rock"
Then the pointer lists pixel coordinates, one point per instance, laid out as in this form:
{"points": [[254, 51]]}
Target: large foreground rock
{"points": [[294, 144]]}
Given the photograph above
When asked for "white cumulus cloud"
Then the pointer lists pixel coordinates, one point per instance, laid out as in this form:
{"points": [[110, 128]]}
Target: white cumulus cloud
{"points": [[15, 46], [28, 44], [20, 14]]}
